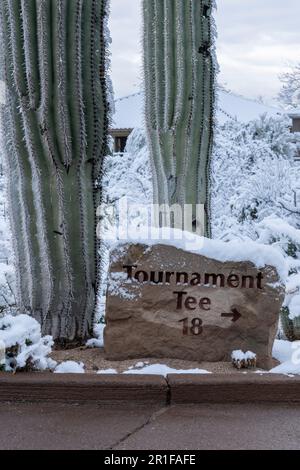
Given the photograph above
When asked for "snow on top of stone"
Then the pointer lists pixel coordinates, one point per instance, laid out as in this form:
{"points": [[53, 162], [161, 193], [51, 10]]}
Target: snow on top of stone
{"points": [[129, 110], [233, 251]]}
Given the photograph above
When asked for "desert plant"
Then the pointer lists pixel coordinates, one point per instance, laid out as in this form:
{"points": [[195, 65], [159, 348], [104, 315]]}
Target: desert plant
{"points": [[179, 99], [55, 120], [291, 328]]}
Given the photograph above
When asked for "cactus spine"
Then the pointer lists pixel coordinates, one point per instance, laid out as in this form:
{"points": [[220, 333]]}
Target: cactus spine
{"points": [[179, 99], [55, 124]]}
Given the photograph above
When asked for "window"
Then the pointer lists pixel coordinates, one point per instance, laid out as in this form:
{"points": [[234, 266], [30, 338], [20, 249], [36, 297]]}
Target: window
{"points": [[120, 144]]}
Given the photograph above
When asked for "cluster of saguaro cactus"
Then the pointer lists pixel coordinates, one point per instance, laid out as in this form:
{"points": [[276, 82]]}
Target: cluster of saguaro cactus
{"points": [[179, 94], [55, 120]]}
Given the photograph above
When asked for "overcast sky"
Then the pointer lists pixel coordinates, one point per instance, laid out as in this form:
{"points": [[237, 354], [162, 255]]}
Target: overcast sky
{"points": [[257, 39]]}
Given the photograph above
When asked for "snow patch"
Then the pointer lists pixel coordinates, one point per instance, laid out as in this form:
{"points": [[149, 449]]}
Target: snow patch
{"points": [[94, 343], [288, 353], [70, 367], [98, 341], [162, 369], [286, 368], [107, 371], [242, 360]]}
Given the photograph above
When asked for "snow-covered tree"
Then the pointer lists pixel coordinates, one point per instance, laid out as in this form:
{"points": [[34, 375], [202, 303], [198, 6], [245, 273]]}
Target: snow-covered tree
{"points": [[254, 175], [289, 94]]}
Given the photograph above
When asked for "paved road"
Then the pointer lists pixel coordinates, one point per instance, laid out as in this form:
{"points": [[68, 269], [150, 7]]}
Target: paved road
{"points": [[48, 426]]}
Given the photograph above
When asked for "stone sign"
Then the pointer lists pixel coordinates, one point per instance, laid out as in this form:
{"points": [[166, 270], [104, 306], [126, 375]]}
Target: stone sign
{"points": [[168, 303]]}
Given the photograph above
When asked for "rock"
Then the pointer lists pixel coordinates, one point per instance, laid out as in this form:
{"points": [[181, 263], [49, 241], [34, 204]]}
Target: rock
{"points": [[165, 302]]}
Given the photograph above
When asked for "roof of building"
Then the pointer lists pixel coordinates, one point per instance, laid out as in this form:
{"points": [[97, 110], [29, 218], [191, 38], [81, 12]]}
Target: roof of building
{"points": [[129, 109], [294, 113]]}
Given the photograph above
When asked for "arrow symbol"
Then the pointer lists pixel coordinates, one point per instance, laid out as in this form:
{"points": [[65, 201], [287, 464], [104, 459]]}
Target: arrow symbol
{"points": [[235, 314]]}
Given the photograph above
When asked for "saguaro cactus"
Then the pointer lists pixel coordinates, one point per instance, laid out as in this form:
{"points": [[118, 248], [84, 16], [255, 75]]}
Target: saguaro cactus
{"points": [[55, 127], [179, 88]]}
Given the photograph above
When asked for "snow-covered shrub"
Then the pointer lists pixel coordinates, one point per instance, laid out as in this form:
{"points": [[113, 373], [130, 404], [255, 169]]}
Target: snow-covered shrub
{"points": [[286, 238], [253, 176], [7, 288], [25, 348], [129, 174], [282, 235], [241, 360], [290, 327], [289, 94]]}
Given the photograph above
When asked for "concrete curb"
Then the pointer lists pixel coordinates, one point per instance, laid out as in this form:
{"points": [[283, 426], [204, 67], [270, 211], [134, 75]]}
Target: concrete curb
{"points": [[140, 389], [149, 389], [236, 388]]}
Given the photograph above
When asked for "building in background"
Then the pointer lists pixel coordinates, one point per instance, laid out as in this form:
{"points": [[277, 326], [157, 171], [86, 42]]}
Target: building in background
{"points": [[129, 114], [295, 116]]}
